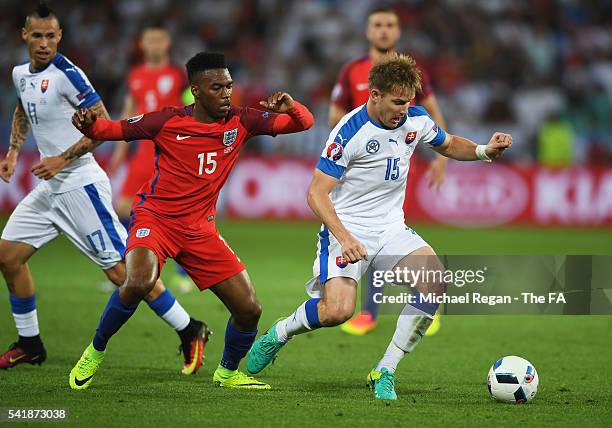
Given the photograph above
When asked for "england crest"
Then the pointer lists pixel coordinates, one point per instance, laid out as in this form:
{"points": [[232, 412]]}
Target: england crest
{"points": [[230, 136], [143, 232], [44, 85]]}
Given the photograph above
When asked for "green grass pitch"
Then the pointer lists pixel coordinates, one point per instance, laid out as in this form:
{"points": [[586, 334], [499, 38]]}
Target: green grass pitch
{"points": [[319, 378]]}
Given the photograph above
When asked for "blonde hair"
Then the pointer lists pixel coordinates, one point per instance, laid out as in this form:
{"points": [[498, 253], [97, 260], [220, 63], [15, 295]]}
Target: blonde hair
{"points": [[397, 72]]}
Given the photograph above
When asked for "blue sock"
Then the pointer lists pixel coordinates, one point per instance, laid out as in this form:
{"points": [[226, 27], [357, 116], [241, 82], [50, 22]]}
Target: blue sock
{"points": [[181, 271], [22, 305], [312, 312], [237, 344], [114, 316], [422, 305], [162, 303], [370, 305]]}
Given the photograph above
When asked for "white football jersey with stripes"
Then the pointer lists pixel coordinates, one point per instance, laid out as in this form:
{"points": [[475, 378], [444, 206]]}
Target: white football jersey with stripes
{"points": [[49, 98], [372, 164]]}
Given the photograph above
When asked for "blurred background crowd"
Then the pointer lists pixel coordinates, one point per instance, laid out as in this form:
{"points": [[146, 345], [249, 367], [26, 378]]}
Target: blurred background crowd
{"points": [[540, 69]]}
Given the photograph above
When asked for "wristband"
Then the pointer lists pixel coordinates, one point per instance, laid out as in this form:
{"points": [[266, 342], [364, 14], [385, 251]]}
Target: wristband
{"points": [[481, 154]]}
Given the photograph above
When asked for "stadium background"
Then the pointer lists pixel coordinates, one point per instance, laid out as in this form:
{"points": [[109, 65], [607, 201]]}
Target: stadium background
{"points": [[541, 70]]}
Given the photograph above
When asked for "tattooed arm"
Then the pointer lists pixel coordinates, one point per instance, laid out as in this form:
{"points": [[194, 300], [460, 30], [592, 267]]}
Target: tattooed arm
{"points": [[48, 167], [19, 132]]}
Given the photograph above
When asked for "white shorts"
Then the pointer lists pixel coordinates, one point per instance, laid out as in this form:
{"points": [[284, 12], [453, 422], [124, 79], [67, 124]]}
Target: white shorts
{"points": [[85, 215], [385, 249]]}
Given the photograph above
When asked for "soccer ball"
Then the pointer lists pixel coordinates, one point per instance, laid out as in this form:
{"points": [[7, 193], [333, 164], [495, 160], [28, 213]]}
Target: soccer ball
{"points": [[513, 380]]}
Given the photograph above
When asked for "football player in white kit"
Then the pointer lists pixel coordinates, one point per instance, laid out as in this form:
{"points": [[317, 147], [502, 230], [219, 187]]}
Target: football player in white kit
{"points": [[74, 198], [357, 191]]}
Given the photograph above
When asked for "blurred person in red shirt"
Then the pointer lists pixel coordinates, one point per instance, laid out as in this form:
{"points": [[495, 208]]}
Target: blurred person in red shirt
{"points": [[153, 84]]}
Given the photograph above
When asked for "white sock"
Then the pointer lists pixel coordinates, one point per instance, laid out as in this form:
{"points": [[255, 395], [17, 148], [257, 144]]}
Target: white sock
{"points": [[296, 323], [27, 324], [176, 316], [393, 355], [408, 333]]}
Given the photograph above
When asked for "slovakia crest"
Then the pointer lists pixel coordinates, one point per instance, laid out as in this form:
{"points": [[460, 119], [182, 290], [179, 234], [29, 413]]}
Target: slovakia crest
{"points": [[230, 136], [22, 84], [334, 151], [341, 262], [411, 136], [44, 85]]}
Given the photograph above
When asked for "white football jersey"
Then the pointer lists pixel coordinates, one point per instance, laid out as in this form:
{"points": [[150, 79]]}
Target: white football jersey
{"points": [[49, 98], [372, 164]]}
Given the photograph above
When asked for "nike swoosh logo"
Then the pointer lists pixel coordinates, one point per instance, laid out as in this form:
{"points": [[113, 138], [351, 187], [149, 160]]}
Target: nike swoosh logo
{"points": [[81, 382], [13, 360], [362, 86], [182, 137]]}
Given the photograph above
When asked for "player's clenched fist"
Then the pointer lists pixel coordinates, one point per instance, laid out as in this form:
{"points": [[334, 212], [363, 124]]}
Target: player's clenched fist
{"points": [[497, 144], [353, 250], [7, 169], [83, 118], [279, 102]]}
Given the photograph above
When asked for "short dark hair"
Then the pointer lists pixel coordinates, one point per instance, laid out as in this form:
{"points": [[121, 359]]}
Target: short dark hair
{"points": [[154, 24], [43, 11], [396, 72], [204, 61], [383, 8]]}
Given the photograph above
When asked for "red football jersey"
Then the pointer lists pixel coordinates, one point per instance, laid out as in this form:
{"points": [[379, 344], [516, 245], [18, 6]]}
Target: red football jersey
{"points": [[153, 88], [193, 159], [352, 88]]}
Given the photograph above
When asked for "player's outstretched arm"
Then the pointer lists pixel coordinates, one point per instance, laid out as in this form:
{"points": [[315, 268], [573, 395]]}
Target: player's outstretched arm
{"points": [[121, 150], [48, 167], [321, 204], [293, 117], [19, 133], [462, 149]]}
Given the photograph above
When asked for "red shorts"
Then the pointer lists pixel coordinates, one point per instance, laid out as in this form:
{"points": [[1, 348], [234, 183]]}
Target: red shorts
{"points": [[201, 251], [140, 169]]}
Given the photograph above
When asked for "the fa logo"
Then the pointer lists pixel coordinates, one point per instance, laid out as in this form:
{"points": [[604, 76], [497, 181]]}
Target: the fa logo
{"points": [[142, 233], [410, 137], [164, 84], [230, 136], [22, 84], [341, 262], [334, 151], [372, 147], [44, 85]]}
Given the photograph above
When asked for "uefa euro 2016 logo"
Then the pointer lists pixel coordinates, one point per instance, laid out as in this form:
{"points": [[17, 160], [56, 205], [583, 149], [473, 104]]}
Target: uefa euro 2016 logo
{"points": [[334, 151]]}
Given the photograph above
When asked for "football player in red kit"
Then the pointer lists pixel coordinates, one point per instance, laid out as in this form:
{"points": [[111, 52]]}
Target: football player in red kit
{"points": [[152, 85], [196, 147]]}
